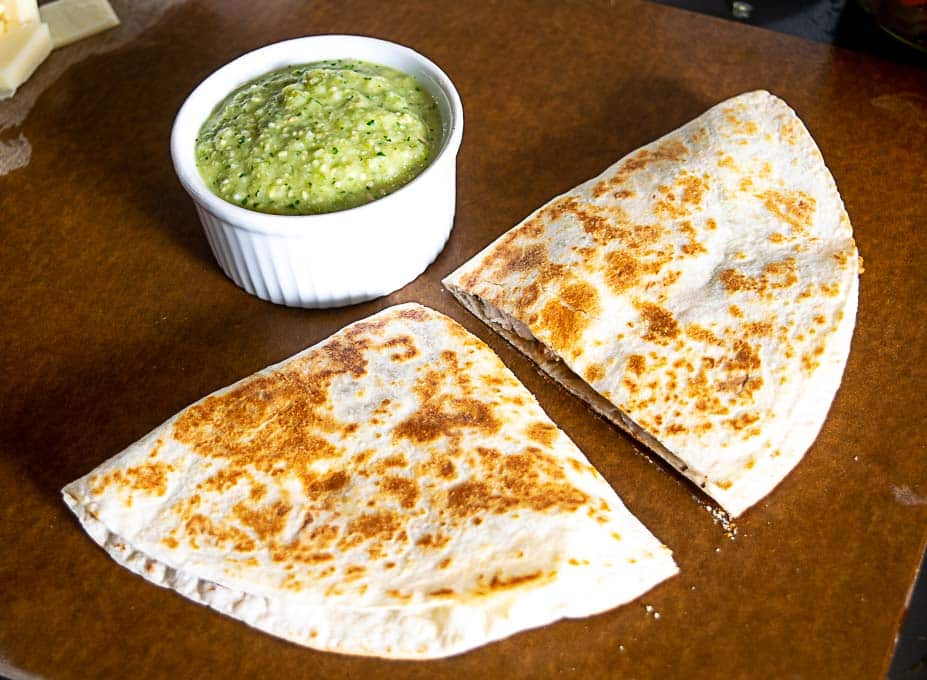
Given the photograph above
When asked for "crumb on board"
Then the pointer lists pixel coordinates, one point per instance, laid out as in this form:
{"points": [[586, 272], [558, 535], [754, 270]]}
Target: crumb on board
{"points": [[720, 518]]}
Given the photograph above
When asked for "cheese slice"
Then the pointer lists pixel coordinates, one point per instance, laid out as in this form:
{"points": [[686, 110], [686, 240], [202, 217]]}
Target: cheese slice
{"points": [[22, 48], [13, 12], [72, 20]]}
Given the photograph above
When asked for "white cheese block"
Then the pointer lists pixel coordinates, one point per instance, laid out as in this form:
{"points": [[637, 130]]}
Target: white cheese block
{"points": [[14, 12], [72, 20], [22, 48]]}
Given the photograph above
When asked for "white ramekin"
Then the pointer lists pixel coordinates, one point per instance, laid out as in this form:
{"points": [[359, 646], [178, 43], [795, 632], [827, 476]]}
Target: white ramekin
{"points": [[337, 258]]}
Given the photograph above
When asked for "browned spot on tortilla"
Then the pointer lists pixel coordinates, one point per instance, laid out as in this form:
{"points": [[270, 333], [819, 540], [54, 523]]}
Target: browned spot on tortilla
{"points": [[594, 373], [745, 357], [267, 521], [560, 207], [603, 226], [683, 198], [740, 378], [444, 414], [566, 318], [734, 281], [740, 126], [220, 535], [702, 394], [600, 189], [667, 151], [382, 465], [694, 248], [758, 328], [524, 259], [793, 207], [382, 526], [581, 296], [622, 271], [446, 469], [148, 478], [670, 150], [698, 332], [531, 480], [404, 348], [156, 449], [742, 421], [403, 489], [223, 480], [416, 314], [354, 572], [258, 491], [809, 360], [637, 364], [437, 419], [170, 542], [328, 484], [693, 188], [499, 583], [662, 325], [272, 422], [293, 583], [790, 131], [435, 541], [542, 433], [783, 273]]}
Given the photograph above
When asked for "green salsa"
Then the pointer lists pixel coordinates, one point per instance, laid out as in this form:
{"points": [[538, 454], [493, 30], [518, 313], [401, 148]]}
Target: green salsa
{"points": [[318, 137]]}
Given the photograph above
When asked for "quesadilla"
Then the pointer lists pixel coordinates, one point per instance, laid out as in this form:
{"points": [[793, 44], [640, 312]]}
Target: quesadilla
{"points": [[700, 293], [391, 491]]}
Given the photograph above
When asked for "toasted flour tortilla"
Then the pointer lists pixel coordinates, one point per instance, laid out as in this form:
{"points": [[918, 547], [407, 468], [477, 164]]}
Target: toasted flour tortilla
{"points": [[701, 293], [392, 491]]}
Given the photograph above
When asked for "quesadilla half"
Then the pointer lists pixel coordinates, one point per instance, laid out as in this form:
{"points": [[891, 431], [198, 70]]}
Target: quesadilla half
{"points": [[391, 491], [700, 293]]}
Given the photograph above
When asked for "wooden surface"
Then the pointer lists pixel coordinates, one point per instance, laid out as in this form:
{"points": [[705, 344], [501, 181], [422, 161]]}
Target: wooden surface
{"points": [[115, 316]]}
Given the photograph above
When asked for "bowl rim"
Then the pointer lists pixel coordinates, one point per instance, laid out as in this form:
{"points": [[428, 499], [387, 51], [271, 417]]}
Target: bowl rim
{"points": [[186, 127]]}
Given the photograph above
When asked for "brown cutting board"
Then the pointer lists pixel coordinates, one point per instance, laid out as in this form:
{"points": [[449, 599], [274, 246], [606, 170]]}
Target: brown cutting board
{"points": [[115, 315]]}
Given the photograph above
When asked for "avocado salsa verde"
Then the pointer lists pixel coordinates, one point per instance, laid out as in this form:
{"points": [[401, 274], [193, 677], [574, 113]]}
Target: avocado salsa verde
{"points": [[319, 137]]}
